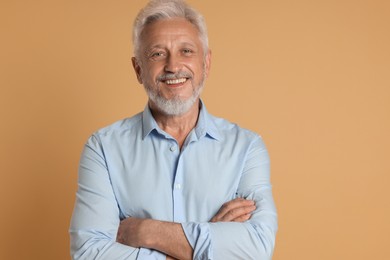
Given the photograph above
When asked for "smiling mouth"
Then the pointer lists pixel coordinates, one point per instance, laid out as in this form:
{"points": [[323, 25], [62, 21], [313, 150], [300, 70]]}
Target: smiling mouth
{"points": [[175, 81]]}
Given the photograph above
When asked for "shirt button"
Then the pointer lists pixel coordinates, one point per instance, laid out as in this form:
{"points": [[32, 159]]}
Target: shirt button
{"points": [[177, 186], [172, 148]]}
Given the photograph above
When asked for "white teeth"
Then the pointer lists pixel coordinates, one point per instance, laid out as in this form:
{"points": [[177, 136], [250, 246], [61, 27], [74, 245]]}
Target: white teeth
{"points": [[175, 81]]}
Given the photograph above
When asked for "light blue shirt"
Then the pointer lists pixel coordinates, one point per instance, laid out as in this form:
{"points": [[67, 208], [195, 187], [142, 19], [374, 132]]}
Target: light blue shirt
{"points": [[134, 169]]}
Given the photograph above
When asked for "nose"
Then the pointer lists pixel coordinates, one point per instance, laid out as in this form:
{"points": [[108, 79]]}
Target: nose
{"points": [[173, 64]]}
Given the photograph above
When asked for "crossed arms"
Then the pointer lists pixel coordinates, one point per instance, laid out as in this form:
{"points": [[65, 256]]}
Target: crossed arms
{"points": [[239, 230], [169, 237]]}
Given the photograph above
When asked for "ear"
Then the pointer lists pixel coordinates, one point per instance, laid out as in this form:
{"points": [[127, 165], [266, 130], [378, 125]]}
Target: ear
{"points": [[137, 69], [207, 63]]}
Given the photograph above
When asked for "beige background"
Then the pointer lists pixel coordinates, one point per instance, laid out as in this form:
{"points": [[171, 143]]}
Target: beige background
{"points": [[312, 77]]}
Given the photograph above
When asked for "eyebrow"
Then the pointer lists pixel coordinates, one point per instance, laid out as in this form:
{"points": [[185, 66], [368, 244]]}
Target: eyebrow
{"points": [[160, 46]]}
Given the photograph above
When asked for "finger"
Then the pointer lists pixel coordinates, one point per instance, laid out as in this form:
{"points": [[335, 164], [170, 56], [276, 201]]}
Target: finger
{"points": [[234, 204], [237, 212], [242, 218], [233, 214], [229, 206]]}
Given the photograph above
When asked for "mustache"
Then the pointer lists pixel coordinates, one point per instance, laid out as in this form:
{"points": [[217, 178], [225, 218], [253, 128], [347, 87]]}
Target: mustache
{"points": [[177, 75]]}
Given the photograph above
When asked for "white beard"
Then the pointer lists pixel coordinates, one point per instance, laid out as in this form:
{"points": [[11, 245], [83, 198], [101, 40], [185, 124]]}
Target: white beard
{"points": [[174, 106]]}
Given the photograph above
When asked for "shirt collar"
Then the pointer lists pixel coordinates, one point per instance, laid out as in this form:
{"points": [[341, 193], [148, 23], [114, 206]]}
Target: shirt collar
{"points": [[204, 126], [148, 122]]}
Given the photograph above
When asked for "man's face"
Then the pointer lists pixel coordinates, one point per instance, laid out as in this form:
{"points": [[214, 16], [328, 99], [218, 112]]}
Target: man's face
{"points": [[172, 65]]}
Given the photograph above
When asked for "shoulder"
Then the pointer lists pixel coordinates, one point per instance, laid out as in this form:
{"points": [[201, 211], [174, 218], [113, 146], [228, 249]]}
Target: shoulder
{"points": [[127, 125], [240, 140], [229, 129]]}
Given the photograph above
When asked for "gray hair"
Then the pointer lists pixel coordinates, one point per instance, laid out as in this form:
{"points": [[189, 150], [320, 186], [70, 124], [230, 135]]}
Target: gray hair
{"points": [[167, 9]]}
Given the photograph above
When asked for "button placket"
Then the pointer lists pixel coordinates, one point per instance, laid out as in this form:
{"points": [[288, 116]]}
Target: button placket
{"points": [[177, 192]]}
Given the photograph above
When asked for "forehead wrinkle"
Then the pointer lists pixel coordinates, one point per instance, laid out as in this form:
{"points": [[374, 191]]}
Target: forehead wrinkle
{"points": [[171, 46], [170, 28]]}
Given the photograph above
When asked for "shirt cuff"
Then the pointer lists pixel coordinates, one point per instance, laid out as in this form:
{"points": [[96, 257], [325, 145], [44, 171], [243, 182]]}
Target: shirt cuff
{"points": [[147, 254], [198, 235]]}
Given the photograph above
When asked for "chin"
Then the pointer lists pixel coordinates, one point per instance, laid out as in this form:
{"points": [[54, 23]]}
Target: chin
{"points": [[174, 106]]}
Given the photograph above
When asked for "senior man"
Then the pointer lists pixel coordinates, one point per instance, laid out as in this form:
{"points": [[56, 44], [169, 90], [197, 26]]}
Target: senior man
{"points": [[173, 182]]}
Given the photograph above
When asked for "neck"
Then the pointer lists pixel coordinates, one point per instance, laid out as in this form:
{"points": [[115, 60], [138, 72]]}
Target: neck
{"points": [[177, 126]]}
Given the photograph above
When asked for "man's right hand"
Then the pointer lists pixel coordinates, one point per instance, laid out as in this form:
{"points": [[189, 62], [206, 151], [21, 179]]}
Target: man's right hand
{"points": [[237, 210]]}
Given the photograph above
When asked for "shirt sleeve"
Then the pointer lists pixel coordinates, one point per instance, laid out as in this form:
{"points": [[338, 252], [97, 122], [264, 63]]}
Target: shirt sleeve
{"points": [[96, 215], [253, 239]]}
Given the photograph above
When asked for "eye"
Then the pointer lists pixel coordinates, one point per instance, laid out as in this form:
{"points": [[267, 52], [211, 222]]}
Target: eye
{"points": [[187, 51], [157, 54]]}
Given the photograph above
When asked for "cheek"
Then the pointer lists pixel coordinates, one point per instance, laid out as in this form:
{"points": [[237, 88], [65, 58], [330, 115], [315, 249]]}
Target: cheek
{"points": [[152, 72], [200, 66], [148, 76], [199, 72]]}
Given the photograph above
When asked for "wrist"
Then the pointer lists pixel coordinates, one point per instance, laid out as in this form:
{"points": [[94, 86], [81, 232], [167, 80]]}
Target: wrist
{"points": [[148, 233]]}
